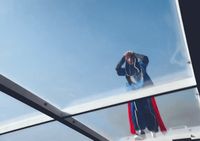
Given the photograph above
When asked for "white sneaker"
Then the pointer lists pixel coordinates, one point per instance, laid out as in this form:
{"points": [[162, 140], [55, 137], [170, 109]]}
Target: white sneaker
{"points": [[153, 134], [139, 137]]}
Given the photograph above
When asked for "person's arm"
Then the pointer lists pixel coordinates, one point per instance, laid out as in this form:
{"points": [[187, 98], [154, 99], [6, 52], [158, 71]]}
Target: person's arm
{"points": [[143, 67], [143, 61], [121, 71]]}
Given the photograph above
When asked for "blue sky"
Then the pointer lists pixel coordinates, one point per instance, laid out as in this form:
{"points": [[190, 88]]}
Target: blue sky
{"points": [[67, 50]]}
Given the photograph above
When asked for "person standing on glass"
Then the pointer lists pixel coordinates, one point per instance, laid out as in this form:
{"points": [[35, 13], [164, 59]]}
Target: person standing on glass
{"points": [[143, 113]]}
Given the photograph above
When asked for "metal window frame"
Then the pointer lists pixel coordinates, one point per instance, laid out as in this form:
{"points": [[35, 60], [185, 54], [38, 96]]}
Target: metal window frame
{"points": [[14, 90]]}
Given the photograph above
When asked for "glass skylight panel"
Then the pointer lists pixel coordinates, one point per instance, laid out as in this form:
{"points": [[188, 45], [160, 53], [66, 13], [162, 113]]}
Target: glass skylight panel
{"points": [[51, 132], [14, 110], [67, 51], [179, 111], [82, 56]]}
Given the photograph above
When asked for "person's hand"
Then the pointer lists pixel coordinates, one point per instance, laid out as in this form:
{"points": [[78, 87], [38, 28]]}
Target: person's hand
{"points": [[129, 56]]}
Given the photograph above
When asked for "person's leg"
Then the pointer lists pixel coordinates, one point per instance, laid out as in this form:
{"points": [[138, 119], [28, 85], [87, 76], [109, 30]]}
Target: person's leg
{"points": [[134, 115], [140, 114], [152, 123], [131, 122], [138, 135]]}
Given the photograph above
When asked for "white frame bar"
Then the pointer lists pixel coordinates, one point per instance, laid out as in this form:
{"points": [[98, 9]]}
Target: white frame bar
{"points": [[132, 95]]}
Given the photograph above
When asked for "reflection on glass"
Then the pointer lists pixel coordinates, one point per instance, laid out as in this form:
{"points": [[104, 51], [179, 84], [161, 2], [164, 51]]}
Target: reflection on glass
{"points": [[180, 110], [143, 113], [49, 132], [66, 51]]}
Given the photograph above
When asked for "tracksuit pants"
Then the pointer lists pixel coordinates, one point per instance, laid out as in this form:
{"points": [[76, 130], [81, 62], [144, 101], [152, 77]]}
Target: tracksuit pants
{"points": [[143, 115]]}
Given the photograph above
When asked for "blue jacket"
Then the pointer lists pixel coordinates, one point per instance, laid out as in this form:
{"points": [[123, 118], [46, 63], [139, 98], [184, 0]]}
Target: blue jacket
{"points": [[136, 70]]}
